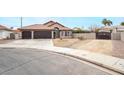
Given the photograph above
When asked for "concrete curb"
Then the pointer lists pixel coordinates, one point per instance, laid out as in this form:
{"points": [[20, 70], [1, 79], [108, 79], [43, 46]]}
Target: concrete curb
{"points": [[116, 67], [96, 63], [91, 61]]}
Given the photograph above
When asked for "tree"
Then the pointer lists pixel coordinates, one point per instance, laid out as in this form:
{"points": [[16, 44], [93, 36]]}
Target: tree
{"points": [[94, 28], [78, 30], [107, 22], [104, 22], [122, 23]]}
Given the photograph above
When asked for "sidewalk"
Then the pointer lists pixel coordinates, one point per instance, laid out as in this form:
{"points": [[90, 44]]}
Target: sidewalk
{"points": [[106, 61], [113, 63]]}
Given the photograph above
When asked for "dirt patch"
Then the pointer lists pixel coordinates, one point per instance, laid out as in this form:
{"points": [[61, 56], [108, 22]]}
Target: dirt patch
{"points": [[110, 47], [65, 42], [5, 41]]}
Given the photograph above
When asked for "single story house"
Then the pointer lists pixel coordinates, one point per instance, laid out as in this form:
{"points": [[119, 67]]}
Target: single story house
{"points": [[117, 28], [106, 29], [111, 32], [118, 33], [49, 29], [5, 33]]}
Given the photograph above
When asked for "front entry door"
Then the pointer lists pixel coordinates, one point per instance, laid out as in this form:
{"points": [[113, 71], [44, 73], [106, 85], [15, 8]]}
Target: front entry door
{"points": [[56, 32], [54, 35]]}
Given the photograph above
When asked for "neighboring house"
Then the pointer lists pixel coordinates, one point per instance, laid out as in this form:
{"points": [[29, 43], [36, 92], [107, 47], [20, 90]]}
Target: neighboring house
{"points": [[5, 32], [104, 32], [106, 29], [118, 33], [117, 28], [50, 29], [111, 32], [16, 34]]}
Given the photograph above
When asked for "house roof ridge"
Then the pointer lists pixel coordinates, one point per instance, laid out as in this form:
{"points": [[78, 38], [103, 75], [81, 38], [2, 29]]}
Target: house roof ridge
{"points": [[49, 22], [2, 27], [50, 25]]}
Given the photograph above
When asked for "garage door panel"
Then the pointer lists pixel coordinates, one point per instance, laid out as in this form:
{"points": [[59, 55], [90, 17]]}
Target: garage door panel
{"points": [[26, 35], [42, 34]]}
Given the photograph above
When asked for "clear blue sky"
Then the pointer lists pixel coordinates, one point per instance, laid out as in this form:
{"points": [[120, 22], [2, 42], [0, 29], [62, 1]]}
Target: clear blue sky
{"points": [[67, 21]]}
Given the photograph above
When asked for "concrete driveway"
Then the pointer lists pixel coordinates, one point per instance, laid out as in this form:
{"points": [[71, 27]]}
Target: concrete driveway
{"points": [[27, 42], [38, 62]]}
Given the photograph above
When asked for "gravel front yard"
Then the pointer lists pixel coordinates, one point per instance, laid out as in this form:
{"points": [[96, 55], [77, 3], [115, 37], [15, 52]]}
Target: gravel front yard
{"points": [[5, 41], [109, 47]]}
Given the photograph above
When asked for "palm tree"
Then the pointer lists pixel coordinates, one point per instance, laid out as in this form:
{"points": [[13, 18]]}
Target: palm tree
{"points": [[104, 22], [109, 22]]}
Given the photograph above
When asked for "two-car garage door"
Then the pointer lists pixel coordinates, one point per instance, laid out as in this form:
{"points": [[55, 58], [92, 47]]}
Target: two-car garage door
{"points": [[42, 34], [26, 35], [37, 34]]}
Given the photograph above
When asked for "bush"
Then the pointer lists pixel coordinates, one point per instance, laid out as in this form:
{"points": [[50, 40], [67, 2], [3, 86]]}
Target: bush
{"points": [[81, 38], [83, 31]]}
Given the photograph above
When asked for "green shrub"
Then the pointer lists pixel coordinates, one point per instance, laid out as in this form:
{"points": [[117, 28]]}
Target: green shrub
{"points": [[81, 31]]}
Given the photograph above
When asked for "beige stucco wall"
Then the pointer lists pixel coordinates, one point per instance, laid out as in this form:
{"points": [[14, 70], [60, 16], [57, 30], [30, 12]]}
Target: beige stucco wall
{"points": [[122, 36], [116, 36], [68, 34], [4, 34], [18, 35], [85, 35]]}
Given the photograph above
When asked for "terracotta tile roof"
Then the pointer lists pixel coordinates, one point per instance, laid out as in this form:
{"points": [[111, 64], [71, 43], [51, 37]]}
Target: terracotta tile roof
{"points": [[49, 23], [112, 27], [46, 26], [4, 28], [58, 25], [16, 30], [34, 26]]}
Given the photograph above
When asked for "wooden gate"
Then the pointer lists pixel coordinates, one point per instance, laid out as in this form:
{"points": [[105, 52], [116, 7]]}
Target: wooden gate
{"points": [[103, 35]]}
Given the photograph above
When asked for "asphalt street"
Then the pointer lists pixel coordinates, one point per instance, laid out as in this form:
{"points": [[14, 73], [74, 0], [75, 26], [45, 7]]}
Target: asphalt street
{"points": [[21, 61]]}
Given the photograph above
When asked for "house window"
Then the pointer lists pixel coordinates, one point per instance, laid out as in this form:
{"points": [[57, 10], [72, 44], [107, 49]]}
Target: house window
{"points": [[66, 33]]}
